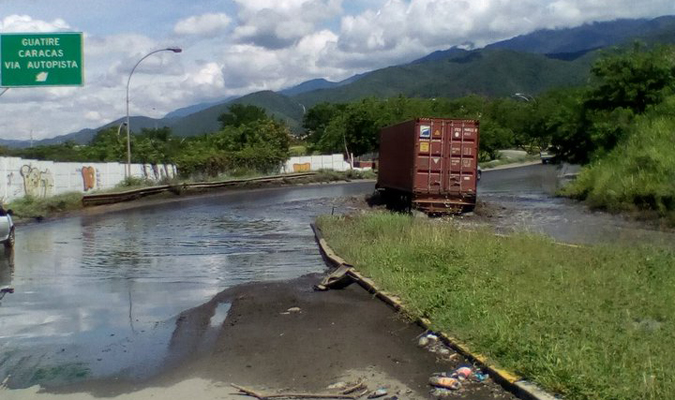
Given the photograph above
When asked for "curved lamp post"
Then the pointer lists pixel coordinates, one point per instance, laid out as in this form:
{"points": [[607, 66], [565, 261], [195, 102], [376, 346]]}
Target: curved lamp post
{"points": [[171, 49]]}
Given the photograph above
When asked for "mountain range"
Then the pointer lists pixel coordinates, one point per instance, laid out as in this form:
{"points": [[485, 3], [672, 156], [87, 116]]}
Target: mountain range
{"points": [[530, 63]]}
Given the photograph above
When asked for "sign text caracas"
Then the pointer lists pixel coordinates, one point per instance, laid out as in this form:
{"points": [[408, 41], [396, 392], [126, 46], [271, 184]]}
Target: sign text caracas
{"points": [[41, 59]]}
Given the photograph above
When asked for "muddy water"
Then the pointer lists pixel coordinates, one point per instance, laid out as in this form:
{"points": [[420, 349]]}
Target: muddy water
{"points": [[98, 296], [524, 201]]}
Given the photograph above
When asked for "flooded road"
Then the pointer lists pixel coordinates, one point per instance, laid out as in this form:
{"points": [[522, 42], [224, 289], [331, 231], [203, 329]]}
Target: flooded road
{"points": [[98, 296], [527, 197]]}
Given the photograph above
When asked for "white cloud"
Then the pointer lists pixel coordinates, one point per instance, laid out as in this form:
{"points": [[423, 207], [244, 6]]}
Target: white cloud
{"points": [[24, 23], [208, 25], [251, 45], [282, 23], [94, 116]]}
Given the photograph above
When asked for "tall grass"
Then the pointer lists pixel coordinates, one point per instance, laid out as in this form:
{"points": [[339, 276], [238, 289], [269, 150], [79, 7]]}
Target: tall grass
{"points": [[588, 323], [33, 207], [637, 175]]}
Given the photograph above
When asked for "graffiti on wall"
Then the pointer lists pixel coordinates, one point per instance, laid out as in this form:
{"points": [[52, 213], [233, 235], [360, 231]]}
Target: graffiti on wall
{"points": [[37, 183], [156, 172], [89, 178]]}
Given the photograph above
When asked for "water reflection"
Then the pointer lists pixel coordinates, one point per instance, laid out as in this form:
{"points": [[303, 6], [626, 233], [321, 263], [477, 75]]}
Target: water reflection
{"points": [[100, 295], [527, 194], [6, 266]]}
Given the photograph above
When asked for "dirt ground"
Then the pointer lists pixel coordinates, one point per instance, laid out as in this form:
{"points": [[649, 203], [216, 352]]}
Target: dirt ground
{"points": [[335, 336]]}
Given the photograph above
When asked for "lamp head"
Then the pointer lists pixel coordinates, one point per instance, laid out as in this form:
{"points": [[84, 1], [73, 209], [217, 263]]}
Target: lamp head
{"points": [[175, 49]]}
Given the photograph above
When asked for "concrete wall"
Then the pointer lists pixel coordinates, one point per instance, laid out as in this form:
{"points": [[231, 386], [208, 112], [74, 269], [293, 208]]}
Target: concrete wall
{"points": [[314, 163], [19, 177]]}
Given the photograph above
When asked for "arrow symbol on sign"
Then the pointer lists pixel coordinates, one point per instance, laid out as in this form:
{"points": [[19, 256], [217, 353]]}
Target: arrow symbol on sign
{"points": [[435, 160], [41, 77]]}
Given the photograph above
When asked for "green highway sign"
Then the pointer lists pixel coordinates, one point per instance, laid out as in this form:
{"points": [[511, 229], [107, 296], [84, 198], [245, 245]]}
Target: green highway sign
{"points": [[41, 59]]}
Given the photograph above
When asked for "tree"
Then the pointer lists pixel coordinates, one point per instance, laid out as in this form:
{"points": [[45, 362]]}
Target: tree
{"points": [[317, 118], [154, 146], [633, 80], [241, 114], [107, 145]]}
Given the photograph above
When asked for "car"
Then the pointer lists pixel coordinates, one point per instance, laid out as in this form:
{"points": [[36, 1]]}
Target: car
{"points": [[546, 157], [6, 229]]}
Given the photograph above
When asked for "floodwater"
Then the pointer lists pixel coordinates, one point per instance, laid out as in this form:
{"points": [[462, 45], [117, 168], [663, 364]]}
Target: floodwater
{"points": [[98, 296], [527, 197]]}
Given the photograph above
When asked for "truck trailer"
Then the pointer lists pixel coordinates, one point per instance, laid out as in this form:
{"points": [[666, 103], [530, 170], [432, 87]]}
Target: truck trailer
{"points": [[430, 164]]}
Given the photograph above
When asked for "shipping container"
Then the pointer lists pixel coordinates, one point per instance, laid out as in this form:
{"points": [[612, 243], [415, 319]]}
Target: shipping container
{"points": [[430, 164]]}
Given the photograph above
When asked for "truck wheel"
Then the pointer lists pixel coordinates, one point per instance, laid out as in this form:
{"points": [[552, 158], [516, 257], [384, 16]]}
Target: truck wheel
{"points": [[468, 209], [9, 243]]}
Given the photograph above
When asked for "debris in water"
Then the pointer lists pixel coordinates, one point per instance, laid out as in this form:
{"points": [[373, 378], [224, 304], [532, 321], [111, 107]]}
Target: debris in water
{"points": [[445, 382], [480, 376], [294, 310], [440, 393], [337, 386], [378, 393], [444, 351], [432, 338], [462, 373]]}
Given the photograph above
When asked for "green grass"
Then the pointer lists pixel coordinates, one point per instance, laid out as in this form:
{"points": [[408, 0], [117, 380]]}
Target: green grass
{"points": [[589, 323], [297, 151], [639, 174], [32, 207]]}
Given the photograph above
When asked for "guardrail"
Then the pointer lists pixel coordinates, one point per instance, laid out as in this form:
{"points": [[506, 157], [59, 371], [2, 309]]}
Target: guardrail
{"points": [[118, 197]]}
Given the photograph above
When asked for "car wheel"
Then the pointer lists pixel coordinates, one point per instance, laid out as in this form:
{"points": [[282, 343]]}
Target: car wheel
{"points": [[9, 243]]}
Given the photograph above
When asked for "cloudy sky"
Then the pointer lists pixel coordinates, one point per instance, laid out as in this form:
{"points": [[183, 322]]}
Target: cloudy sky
{"points": [[234, 47]]}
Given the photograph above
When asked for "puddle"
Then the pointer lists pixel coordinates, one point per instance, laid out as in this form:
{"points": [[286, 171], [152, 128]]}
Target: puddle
{"points": [[98, 296]]}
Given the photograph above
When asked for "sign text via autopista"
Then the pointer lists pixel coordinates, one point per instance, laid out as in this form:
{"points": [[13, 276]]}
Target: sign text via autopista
{"points": [[41, 59]]}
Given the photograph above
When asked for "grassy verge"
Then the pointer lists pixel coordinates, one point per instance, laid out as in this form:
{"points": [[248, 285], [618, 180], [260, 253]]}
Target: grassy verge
{"points": [[589, 323], [639, 174], [32, 207]]}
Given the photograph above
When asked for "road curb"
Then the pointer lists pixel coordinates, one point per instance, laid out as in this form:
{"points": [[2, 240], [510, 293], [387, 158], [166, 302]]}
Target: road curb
{"points": [[509, 381], [134, 194], [512, 166]]}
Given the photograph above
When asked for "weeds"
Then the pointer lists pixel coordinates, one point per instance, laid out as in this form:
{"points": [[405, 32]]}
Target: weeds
{"points": [[32, 207], [639, 174], [588, 323]]}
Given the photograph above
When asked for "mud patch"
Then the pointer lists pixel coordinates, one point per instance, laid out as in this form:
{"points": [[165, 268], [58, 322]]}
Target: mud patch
{"points": [[283, 336]]}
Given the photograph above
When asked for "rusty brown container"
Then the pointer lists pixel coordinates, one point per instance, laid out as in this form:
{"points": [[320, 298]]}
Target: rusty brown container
{"points": [[430, 163]]}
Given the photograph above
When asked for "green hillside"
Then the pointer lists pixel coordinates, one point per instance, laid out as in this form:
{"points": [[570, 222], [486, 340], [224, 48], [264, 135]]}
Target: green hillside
{"points": [[279, 106], [493, 73], [484, 72]]}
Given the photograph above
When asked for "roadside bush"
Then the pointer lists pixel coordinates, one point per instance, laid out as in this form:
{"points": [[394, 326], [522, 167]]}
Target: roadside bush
{"points": [[132, 181], [34, 207], [637, 174]]}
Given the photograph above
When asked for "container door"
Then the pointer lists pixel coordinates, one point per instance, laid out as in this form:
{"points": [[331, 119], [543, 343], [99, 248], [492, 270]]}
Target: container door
{"points": [[430, 160], [462, 157]]}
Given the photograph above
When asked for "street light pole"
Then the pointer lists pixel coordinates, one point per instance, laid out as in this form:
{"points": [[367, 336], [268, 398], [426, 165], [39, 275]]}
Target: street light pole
{"points": [[127, 172], [119, 129]]}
